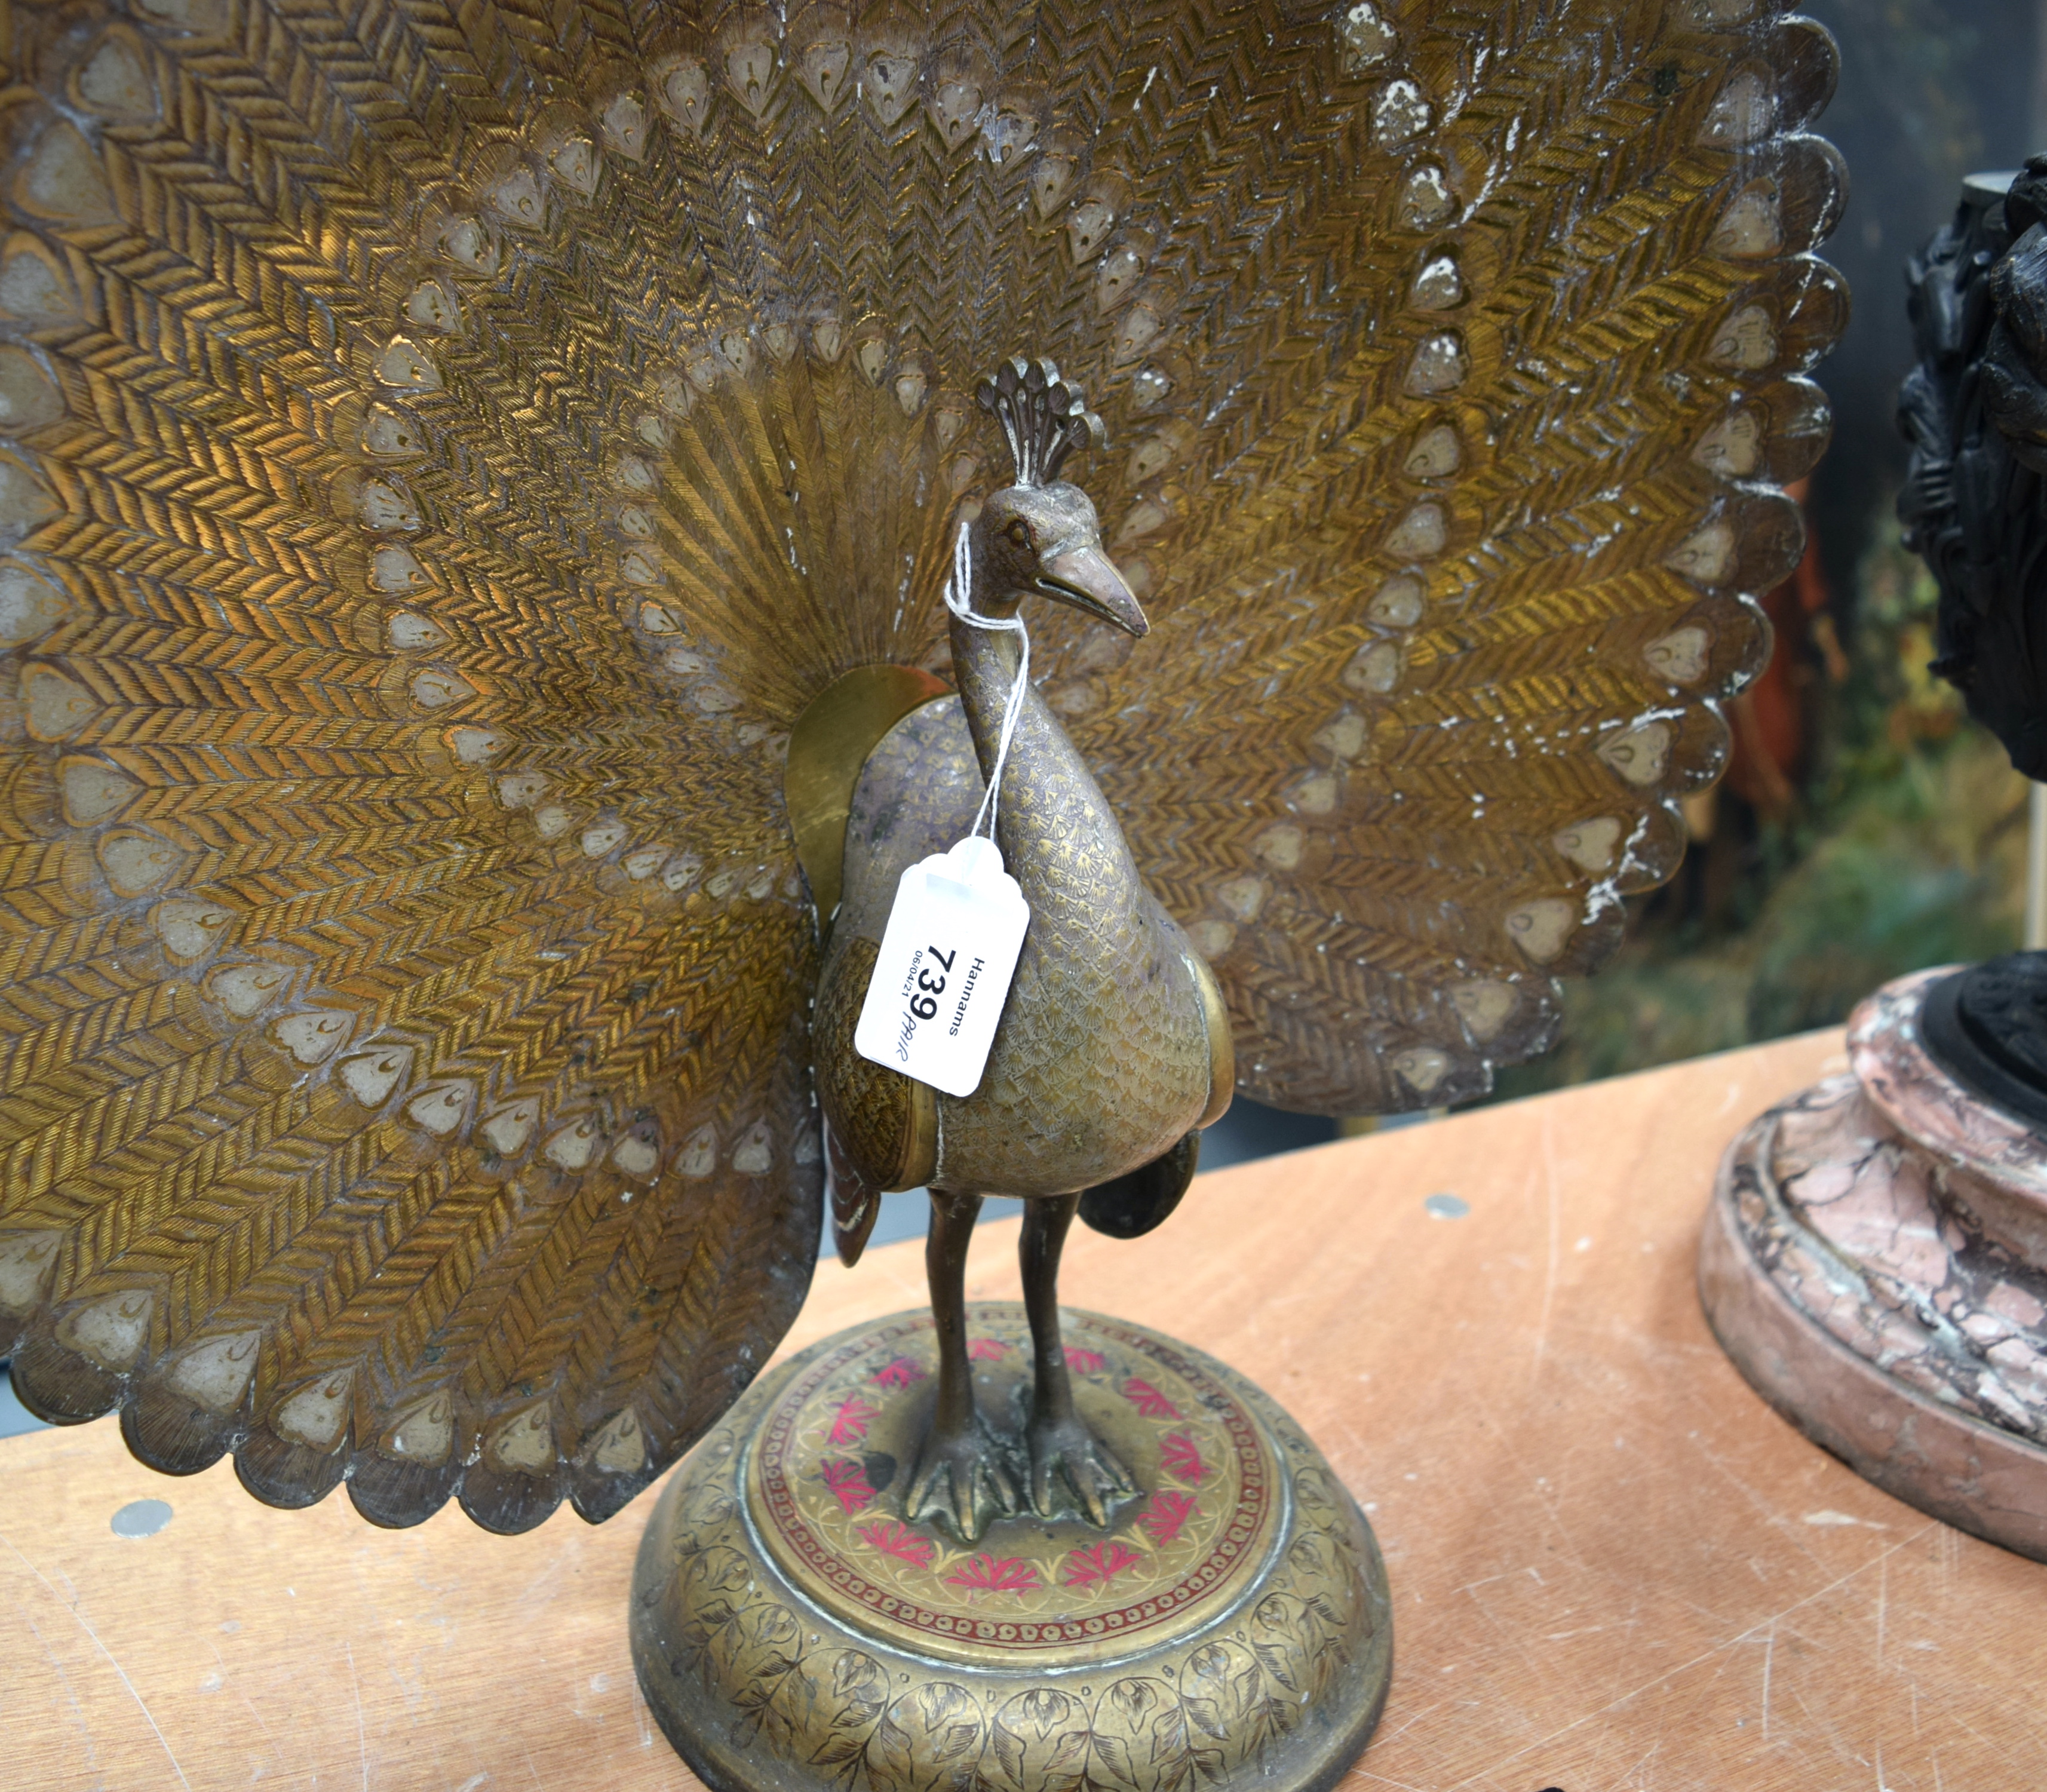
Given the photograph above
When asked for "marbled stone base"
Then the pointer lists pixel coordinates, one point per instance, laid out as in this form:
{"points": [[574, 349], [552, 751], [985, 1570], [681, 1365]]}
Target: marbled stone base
{"points": [[794, 1633], [1875, 1264]]}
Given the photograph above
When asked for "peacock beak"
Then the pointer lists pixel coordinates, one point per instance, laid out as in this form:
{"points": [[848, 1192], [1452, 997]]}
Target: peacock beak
{"points": [[1086, 578]]}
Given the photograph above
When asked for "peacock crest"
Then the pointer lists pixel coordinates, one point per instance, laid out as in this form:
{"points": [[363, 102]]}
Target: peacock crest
{"points": [[1042, 419], [446, 452]]}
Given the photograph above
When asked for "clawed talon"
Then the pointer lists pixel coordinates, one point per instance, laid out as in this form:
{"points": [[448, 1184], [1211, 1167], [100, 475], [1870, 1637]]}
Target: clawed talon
{"points": [[962, 1480], [1068, 1449]]}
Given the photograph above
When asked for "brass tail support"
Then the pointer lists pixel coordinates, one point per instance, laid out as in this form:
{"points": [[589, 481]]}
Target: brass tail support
{"points": [[828, 748]]}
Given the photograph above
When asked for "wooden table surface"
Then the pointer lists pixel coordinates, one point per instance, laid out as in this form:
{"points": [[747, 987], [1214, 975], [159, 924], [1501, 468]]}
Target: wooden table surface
{"points": [[1614, 1569]]}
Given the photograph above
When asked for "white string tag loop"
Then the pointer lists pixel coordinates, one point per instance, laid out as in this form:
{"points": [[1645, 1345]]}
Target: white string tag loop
{"points": [[958, 595]]}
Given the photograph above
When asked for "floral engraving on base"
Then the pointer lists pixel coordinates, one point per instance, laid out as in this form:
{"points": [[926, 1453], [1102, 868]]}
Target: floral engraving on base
{"points": [[849, 1426], [1148, 1400], [1100, 1565], [847, 1481], [1173, 1720], [901, 1542], [988, 1573], [1168, 1512], [830, 1461]]}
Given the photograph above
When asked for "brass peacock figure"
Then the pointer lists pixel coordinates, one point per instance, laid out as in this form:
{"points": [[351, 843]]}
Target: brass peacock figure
{"points": [[1115, 1048], [479, 489]]}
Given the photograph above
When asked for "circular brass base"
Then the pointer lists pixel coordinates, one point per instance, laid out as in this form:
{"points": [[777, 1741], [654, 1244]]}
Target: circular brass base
{"points": [[793, 1633]]}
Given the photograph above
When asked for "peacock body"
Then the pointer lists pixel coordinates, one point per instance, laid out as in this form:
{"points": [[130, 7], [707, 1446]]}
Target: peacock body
{"points": [[1114, 1043], [450, 449]]}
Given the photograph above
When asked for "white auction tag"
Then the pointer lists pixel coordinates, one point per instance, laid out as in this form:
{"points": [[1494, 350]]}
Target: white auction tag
{"points": [[947, 955]]}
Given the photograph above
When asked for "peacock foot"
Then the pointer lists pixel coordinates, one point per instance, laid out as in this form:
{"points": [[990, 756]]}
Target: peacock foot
{"points": [[962, 1479], [1065, 1451]]}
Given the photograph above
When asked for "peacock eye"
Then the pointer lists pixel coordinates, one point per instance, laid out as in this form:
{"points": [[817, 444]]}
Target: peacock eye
{"points": [[1019, 534]]}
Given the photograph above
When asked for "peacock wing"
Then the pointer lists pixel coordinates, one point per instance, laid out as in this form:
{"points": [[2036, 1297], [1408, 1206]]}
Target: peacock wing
{"points": [[1449, 460]]}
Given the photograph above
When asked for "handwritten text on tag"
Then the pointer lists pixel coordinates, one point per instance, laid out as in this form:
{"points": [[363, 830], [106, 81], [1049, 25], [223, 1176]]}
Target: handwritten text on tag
{"points": [[947, 956]]}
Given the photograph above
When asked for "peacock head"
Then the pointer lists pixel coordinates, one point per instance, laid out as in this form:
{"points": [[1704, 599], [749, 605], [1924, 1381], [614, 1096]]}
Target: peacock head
{"points": [[1041, 534]]}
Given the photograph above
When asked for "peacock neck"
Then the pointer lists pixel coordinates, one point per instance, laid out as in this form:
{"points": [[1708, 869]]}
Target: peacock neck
{"points": [[1050, 800], [985, 662]]}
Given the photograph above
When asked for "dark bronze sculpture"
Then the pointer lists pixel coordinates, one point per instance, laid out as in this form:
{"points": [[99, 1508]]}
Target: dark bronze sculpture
{"points": [[480, 493], [1974, 410]]}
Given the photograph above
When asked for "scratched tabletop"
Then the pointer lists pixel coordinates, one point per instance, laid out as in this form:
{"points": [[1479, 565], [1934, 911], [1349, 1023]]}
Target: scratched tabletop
{"points": [[1614, 1569]]}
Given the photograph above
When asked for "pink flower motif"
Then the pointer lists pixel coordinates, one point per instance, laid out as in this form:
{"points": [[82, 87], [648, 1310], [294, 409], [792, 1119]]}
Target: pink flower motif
{"points": [[1149, 1401], [987, 1350], [901, 1541], [900, 1373], [847, 1479], [990, 1575], [1085, 1362], [850, 1427], [1182, 1459], [1100, 1565], [1166, 1515]]}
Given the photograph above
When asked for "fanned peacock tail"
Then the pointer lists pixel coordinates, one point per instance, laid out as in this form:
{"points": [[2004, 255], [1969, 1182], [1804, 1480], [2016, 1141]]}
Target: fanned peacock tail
{"points": [[449, 446]]}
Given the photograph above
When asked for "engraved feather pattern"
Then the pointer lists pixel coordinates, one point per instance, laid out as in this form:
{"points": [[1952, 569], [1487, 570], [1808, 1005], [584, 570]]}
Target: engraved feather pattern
{"points": [[447, 448]]}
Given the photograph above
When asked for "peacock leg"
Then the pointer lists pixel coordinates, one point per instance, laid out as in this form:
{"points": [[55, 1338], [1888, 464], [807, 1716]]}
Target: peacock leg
{"points": [[961, 1475], [1060, 1443]]}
